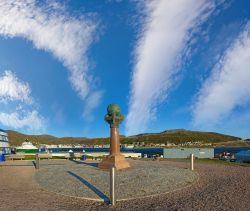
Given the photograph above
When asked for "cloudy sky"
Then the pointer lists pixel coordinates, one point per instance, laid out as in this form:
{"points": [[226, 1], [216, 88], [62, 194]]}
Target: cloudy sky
{"points": [[168, 64]]}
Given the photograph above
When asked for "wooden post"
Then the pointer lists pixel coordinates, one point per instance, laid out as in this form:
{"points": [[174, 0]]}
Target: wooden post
{"points": [[37, 161], [192, 162], [112, 186]]}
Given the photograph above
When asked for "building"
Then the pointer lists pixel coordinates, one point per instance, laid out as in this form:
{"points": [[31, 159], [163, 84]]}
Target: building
{"points": [[4, 142], [185, 152]]}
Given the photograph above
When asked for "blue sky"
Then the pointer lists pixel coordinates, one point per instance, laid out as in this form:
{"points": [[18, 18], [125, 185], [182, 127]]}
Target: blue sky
{"points": [[168, 64]]}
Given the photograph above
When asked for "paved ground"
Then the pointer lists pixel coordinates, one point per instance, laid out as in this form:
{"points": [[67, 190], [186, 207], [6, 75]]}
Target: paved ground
{"points": [[220, 187], [84, 179]]}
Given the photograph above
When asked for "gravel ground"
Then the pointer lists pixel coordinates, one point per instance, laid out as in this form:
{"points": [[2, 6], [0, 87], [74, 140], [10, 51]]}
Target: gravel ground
{"points": [[84, 179], [220, 187]]}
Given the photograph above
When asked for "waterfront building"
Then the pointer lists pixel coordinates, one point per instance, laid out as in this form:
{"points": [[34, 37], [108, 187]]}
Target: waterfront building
{"points": [[185, 152], [4, 142], [106, 146]]}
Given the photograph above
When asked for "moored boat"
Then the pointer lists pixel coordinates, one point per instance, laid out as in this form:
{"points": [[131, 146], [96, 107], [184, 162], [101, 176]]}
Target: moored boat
{"points": [[27, 147]]}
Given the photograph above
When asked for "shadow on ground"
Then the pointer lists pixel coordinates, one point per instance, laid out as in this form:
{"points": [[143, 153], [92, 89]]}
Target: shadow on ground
{"points": [[90, 186], [14, 165], [33, 163], [85, 163]]}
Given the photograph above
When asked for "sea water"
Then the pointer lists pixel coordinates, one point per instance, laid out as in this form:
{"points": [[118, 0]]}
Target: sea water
{"points": [[143, 151]]}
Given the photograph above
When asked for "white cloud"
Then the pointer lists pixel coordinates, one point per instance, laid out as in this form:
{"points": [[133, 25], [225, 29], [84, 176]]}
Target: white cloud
{"points": [[15, 93], [31, 120], [228, 86], [50, 27], [158, 54], [92, 102], [12, 89]]}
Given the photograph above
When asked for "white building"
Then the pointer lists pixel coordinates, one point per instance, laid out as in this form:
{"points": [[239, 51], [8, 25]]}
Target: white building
{"points": [[4, 142]]}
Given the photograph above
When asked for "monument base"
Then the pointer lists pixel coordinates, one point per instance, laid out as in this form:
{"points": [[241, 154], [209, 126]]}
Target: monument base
{"points": [[118, 161]]}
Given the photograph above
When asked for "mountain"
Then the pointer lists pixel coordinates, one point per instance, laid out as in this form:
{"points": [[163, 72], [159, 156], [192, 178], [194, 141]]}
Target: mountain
{"points": [[176, 136], [17, 138], [165, 131]]}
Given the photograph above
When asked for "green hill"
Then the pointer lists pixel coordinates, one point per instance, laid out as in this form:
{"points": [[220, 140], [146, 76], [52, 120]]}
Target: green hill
{"points": [[177, 136], [17, 139]]}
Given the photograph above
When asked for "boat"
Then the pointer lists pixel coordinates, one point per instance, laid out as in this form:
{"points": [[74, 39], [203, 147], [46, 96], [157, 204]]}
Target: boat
{"points": [[4, 143], [27, 147]]}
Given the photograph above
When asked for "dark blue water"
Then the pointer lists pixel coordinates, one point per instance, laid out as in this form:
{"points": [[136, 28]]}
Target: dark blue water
{"points": [[148, 151]]}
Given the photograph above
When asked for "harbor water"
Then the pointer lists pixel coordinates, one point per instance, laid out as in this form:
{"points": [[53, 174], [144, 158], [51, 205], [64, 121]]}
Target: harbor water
{"points": [[143, 151]]}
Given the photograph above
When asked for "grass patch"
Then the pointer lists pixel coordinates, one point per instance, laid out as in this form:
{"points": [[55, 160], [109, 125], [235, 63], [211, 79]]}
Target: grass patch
{"points": [[30, 157], [58, 157]]}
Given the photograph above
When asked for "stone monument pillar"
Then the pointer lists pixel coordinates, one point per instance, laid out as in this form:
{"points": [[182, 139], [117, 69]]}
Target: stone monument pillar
{"points": [[115, 158]]}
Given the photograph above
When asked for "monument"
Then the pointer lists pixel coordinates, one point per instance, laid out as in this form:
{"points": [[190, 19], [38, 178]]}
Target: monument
{"points": [[115, 158]]}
